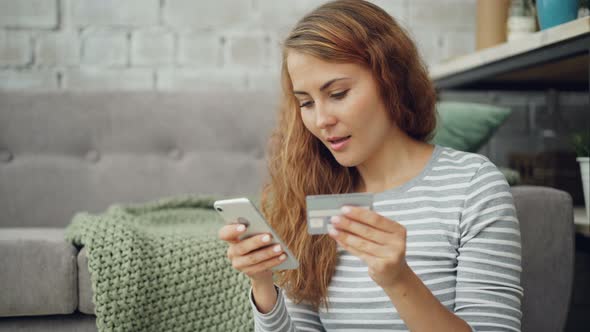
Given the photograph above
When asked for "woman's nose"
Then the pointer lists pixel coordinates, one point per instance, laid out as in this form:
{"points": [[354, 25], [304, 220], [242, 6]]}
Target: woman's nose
{"points": [[324, 117]]}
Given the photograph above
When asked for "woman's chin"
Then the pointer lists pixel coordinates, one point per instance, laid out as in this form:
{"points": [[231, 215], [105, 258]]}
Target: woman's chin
{"points": [[345, 161]]}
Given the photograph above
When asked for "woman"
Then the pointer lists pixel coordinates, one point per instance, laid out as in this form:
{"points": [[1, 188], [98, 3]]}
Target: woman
{"points": [[441, 249]]}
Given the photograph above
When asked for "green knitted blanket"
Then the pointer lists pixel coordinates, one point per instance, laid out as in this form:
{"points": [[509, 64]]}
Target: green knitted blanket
{"points": [[159, 266]]}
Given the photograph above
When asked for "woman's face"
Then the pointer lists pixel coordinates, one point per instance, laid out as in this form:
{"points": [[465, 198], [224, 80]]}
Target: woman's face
{"points": [[340, 101]]}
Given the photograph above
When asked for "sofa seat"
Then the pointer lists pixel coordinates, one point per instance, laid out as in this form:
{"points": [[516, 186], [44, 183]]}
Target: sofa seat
{"points": [[38, 272]]}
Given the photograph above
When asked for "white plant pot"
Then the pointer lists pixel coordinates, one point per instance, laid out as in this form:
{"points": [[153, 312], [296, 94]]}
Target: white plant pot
{"points": [[585, 170]]}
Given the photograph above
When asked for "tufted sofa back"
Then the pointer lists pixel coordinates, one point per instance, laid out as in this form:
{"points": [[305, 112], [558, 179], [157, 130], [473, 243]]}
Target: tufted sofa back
{"points": [[61, 153]]}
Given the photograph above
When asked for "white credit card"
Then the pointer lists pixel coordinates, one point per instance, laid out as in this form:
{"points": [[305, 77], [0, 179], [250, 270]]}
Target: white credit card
{"points": [[320, 208]]}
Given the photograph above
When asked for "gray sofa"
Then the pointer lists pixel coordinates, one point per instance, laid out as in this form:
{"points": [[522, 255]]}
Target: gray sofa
{"points": [[69, 152]]}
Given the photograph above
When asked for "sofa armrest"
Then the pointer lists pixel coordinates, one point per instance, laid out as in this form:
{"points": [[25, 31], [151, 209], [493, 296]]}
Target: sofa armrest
{"points": [[547, 231], [38, 272]]}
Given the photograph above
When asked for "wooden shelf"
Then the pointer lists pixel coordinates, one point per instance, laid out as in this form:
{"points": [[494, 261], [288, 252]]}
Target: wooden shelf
{"points": [[559, 56]]}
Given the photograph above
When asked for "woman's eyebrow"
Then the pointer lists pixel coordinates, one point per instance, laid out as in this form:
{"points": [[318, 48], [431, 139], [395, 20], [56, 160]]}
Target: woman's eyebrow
{"points": [[323, 87]]}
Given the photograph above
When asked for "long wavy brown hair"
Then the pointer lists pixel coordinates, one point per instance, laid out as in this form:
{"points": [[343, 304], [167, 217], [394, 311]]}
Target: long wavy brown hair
{"points": [[346, 31]]}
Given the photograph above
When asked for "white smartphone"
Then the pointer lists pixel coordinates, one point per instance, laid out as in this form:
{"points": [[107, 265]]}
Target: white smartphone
{"points": [[243, 211]]}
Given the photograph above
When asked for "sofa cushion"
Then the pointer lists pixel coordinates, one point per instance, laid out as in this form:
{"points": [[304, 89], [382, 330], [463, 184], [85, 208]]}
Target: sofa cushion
{"points": [[83, 151], [467, 126], [39, 273]]}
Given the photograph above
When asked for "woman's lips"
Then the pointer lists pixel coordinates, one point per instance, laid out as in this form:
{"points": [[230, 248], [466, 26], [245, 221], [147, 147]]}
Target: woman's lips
{"points": [[339, 145]]}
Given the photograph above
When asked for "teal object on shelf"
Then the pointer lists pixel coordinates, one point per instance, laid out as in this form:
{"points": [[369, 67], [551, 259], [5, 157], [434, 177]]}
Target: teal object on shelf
{"points": [[555, 12]]}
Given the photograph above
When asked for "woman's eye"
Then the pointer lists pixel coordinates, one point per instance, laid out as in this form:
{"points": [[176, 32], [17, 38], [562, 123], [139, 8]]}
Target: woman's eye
{"points": [[339, 95], [306, 104]]}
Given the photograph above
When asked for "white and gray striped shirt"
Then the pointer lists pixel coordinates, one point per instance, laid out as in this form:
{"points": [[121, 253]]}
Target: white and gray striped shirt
{"points": [[463, 242]]}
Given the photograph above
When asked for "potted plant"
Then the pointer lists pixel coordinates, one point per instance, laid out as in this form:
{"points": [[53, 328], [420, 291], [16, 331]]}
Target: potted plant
{"points": [[581, 142]]}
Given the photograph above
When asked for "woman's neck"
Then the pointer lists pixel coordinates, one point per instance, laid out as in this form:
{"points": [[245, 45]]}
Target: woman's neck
{"points": [[398, 161]]}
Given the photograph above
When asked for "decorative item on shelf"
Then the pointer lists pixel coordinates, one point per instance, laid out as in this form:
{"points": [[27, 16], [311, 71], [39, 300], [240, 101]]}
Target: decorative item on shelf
{"points": [[581, 142], [584, 9], [491, 22], [555, 12], [521, 20]]}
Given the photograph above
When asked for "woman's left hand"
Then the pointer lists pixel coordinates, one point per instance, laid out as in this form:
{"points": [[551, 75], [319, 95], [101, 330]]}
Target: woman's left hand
{"points": [[378, 241]]}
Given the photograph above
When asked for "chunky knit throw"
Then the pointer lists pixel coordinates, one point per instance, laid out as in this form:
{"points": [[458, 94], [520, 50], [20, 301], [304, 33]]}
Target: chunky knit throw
{"points": [[159, 266]]}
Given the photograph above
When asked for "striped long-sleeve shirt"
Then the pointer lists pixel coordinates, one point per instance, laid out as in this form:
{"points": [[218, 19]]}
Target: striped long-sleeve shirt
{"points": [[463, 242]]}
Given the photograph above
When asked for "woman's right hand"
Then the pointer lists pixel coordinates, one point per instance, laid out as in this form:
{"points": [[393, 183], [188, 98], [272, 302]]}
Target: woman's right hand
{"points": [[252, 256]]}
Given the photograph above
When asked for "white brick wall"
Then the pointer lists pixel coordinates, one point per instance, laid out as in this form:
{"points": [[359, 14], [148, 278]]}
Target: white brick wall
{"points": [[37, 14], [217, 14], [15, 48], [105, 48], [43, 79], [278, 17], [201, 49], [184, 44], [135, 13], [249, 51], [152, 47], [442, 14], [57, 49]]}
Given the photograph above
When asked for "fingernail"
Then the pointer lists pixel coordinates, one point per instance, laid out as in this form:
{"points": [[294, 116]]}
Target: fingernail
{"points": [[335, 219], [282, 257], [345, 209], [277, 248], [241, 228], [333, 232], [266, 238]]}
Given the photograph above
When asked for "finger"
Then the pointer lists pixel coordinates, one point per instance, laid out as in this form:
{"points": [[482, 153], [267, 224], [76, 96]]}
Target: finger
{"points": [[230, 233], [359, 244], [250, 244], [363, 230], [365, 257], [370, 218], [253, 258], [265, 265]]}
